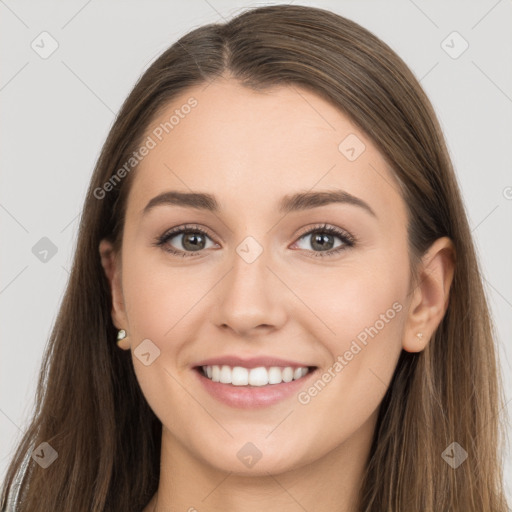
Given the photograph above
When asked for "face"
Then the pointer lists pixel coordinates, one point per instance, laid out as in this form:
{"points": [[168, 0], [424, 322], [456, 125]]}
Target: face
{"points": [[319, 280]]}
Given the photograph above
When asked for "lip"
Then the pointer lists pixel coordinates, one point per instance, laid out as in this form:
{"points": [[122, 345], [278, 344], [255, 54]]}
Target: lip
{"points": [[251, 362], [253, 397]]}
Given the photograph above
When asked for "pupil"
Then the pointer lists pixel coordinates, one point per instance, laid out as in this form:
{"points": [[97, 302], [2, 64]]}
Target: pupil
{"points": [[322, 240], [192, 241]]}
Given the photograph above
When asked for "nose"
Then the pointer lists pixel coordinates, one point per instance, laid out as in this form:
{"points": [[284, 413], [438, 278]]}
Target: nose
{"points": [[252, 300]]}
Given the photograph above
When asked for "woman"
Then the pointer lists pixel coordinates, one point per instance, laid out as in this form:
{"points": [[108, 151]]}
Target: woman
{"points": [[275, 236]]}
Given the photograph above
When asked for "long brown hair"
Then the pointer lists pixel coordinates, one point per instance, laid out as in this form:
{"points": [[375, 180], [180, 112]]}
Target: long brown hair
{"points": [[90, 408]]}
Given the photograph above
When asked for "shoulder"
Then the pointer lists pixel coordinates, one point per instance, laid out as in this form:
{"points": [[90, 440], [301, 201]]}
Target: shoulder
{"points": [[13, 497]]}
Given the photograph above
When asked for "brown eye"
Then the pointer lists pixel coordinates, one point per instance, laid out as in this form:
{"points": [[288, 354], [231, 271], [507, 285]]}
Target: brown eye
{"points": [[323, 240], [184, 240]]}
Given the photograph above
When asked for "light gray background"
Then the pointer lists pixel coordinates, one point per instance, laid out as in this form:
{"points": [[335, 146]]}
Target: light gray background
{"points": [[56, 113]]}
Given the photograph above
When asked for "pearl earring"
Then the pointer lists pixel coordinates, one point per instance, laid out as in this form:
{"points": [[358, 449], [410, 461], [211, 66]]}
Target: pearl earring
{"points": [[420, 336], [121, 335]]}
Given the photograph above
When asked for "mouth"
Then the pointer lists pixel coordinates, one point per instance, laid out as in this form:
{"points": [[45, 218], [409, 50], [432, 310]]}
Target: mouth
{"points": [[241, 387], [239, 376]]}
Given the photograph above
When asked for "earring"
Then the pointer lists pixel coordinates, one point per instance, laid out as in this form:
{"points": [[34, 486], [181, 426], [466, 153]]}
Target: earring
{"points": [[420, 336], [121, 335]]}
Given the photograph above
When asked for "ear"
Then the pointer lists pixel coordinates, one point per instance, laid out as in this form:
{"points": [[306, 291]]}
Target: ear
{"points": [[431, 294], [111, 264]]}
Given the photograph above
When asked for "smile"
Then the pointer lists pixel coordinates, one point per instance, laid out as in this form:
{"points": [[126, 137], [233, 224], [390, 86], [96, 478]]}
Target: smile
{"points": [[253, 388], [259, 376]]}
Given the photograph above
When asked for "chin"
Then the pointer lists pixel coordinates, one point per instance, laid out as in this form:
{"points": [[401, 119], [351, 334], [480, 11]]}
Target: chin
{"points": [[248, 458]]}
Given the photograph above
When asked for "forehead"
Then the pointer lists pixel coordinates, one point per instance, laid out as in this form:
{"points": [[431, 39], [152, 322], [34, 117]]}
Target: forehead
{"points": [[252, 147]]}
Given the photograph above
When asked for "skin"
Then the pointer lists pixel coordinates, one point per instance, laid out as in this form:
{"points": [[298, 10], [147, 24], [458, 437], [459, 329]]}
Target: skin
{"points": [[250, 149]]}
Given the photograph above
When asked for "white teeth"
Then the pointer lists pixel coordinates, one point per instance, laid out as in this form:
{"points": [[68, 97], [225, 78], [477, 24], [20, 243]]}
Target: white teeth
{"points": [[239, 376], [288, 374], [225, 375], [275, 376], [260, 376]]}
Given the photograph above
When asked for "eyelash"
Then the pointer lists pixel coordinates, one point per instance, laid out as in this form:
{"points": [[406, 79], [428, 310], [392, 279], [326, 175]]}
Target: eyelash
{"points": [[347, 239]]}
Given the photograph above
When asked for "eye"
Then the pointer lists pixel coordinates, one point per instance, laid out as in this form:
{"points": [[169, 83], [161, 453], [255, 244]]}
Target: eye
{"points": [[322, 238], [191, 238]]}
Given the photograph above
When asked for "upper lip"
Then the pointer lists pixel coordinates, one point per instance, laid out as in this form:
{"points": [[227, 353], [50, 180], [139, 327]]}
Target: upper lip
{"points": [[251, 362]]}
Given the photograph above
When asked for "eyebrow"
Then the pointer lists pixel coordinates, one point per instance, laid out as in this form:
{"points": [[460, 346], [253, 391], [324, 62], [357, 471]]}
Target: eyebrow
{"points": [[290, 203]]}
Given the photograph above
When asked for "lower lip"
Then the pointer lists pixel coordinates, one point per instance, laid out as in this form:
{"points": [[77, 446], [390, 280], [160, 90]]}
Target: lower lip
{"points": [[250, 397]]}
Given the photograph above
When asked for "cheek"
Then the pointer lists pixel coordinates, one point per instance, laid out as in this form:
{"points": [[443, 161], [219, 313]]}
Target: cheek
{"points": [[157, 300], [157, 296], [359, 319], [362, 299]]}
